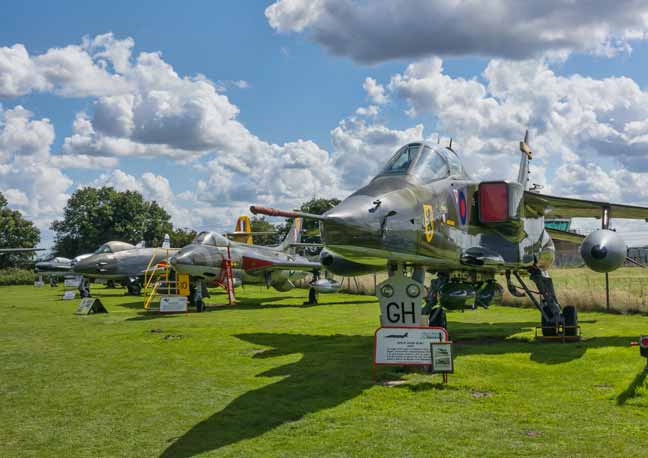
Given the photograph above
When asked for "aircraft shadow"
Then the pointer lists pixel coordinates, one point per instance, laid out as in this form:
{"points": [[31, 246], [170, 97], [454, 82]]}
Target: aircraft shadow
{"points": [[334, 369], [631, 391]]}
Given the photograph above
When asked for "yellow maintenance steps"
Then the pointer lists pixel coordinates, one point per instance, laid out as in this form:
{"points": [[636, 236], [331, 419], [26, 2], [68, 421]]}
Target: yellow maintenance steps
{"points": [[161, 280]]}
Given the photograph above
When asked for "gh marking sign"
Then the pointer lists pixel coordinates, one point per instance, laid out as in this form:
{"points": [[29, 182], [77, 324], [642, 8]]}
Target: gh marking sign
{"points": [[400, 301]]}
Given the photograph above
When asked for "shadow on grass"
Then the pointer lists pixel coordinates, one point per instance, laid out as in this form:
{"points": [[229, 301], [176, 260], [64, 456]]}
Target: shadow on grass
{"points": [[631, 391], [495, 339], [333, 369]]}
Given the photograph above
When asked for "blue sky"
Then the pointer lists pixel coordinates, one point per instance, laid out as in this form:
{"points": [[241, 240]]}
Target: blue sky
{"points": [[304, 77]]}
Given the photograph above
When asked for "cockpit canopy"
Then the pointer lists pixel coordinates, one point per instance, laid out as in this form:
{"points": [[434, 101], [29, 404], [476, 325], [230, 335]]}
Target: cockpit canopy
{"points": [[424, 163], [210, 238], [114, 247]]}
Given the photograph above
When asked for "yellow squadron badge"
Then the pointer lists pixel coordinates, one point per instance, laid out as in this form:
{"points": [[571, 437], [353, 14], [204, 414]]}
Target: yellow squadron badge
{"points": [[428, 221]]}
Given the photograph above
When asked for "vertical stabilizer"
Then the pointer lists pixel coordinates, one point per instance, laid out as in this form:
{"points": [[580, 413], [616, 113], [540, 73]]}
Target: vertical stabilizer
{"points": [[293, 236], [525, 157], [166, 243]]}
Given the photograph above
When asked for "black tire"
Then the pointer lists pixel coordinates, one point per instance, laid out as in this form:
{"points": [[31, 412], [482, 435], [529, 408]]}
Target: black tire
{"points": [[438, 318], [570, 318], [110, 284], [200, 306], [312, 297], [549, 328]]}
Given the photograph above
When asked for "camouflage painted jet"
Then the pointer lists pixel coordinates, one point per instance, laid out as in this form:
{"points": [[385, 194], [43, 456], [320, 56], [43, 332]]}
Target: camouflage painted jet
{"points": [[424, 214], [276, 267], [120, 262]]}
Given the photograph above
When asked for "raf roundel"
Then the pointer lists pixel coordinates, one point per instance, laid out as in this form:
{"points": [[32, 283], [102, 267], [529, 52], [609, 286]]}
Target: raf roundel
{"points": [[461, 198]]}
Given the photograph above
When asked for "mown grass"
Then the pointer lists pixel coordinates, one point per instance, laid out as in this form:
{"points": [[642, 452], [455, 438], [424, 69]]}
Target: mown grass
{"points": [[273, 378]]}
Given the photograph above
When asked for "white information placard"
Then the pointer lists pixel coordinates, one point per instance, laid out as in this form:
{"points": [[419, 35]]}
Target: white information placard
{"points": [[72, 282], [406, 346], [69, 295], [173, 304], [442, 357], [39, 283]]}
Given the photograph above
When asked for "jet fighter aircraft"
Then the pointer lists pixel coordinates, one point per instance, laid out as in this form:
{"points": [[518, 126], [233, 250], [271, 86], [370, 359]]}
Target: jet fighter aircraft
{"points": [[423, 213], [120, 262], [276, 267]]}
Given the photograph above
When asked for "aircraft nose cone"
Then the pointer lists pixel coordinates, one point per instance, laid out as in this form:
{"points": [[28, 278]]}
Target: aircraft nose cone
{"points": [[356, 221], [182, 258]]}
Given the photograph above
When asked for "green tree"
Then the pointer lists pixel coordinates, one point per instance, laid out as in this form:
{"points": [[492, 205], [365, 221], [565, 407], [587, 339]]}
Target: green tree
{"points": [[15, 232], [260, 224], [182, 237], [93, 216]]}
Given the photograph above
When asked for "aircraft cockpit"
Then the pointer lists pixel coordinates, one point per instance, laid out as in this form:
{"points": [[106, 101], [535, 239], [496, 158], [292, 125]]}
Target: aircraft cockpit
{"points": [[425, 163], [114, 247], [210, 238]]}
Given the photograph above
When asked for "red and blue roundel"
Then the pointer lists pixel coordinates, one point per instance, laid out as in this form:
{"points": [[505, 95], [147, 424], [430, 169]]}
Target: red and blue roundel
{"points": [[463, 211]]}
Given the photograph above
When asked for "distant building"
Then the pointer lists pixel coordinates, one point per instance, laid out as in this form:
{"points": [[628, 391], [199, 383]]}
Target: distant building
{"points": [[567, 254]]}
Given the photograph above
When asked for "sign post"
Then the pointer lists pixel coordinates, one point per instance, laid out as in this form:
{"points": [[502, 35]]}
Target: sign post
{"points": [[90, 305], [414, 346]]}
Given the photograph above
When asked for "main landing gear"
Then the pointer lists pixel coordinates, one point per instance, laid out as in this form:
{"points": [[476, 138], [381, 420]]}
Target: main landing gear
{"points": [[134, 287], [556, 321]]}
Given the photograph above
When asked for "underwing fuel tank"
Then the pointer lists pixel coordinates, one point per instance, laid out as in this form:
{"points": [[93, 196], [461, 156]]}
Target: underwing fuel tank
{"points": [[603, 251], [325, 285]]}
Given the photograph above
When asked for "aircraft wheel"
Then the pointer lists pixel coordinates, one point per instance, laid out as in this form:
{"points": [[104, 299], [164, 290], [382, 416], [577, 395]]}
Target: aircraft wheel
{"points": [[200, 305], [110, 284], [439, 318], [136, 290], [570, 318], [312, 297], [548, 327]]}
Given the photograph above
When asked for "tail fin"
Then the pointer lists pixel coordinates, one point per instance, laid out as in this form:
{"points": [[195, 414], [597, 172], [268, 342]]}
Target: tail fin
{"points": [[526, 156], [166, 243], [243, 230], [293, 236], [141, 244]]}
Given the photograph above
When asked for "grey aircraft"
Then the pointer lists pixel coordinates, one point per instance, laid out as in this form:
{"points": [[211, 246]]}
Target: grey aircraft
{"points": [[276, 267], [424, 214], [120, 262], [57, 267]]}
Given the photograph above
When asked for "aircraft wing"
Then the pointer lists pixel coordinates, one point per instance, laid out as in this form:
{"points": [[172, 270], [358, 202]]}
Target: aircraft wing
{"points": [[566, 207], [565, 236], [267, 264]]}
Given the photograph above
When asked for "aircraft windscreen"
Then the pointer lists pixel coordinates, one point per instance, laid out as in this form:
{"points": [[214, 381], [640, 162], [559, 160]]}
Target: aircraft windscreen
{"points": [[456, 167], [402, 160], [210, 238], [430, 166], [103, 249]]}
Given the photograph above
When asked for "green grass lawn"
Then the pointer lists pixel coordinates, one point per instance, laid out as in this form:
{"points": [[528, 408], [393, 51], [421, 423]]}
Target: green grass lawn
{"points": [[272, 378]]}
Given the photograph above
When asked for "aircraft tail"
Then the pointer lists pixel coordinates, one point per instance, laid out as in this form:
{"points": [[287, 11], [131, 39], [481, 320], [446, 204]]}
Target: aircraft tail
{"points": [[141, 244], [525, 156], [243, 230], [293, 236]]}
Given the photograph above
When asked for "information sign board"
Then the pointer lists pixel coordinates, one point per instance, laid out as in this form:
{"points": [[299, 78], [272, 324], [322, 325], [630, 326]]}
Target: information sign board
{"points": [[406, 346], [173, 304]]}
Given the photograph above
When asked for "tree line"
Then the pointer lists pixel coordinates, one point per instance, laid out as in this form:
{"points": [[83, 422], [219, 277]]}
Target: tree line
{"points": [[93, 216]]}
